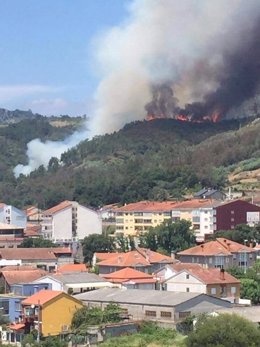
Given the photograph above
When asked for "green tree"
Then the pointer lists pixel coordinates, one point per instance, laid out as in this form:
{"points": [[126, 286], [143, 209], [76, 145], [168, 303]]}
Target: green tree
{"points": [[250, 290], [169, 236], [224, 330], [86, 316], [37, 243], [96, 243]]}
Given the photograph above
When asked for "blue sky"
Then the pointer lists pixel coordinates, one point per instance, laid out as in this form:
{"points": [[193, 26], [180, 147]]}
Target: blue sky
{"points": [[46, 52]]}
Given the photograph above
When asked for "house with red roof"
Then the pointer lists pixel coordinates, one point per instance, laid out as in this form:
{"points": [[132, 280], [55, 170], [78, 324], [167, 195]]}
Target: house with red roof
{"points": [[212, 281], [40, 312], [131, 279], [221, 253], [69, 221], [140, 259]]}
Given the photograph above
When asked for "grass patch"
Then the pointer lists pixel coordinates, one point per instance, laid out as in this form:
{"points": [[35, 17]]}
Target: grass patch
{"points": [[150, 335]]}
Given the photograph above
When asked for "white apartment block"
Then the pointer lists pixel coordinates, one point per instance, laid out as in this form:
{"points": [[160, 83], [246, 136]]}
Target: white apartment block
{"points": [[12, 215], [69, 221]]}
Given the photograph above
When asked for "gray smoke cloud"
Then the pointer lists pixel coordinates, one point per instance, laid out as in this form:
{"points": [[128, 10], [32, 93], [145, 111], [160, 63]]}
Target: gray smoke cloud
{"points": [[192, 56]]}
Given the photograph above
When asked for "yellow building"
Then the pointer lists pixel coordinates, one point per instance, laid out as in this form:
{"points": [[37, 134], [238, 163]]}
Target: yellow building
{"points": [[50, 312], [137, 217]]}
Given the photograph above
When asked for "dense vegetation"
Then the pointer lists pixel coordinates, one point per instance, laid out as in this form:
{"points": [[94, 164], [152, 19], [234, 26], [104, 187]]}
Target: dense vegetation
{"points": [[224, 330], [150, 335], [162, 159]]}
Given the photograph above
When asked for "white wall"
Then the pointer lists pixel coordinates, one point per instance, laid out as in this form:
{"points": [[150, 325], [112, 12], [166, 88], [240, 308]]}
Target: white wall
{"points": [[62, 225], [89, 222], [55, 285], [206, 223], [179, 283]]}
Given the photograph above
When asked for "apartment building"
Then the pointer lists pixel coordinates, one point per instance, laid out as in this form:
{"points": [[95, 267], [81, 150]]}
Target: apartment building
{"points": [[137, 217], [12, 215], [69, 221], [221, 253]]}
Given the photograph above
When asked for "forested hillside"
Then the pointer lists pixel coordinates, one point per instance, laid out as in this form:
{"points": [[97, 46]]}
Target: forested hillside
{"points": [[162, 159]]}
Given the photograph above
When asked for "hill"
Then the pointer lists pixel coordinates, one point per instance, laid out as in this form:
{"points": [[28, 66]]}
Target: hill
{"points": [[162, 159], [17, 128]]}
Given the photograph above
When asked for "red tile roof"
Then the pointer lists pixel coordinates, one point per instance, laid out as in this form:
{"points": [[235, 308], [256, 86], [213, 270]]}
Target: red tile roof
{"points": [[100, 256], [128, 274], [155, 257], [140, 256], [17, 277], [129, 259], [147, 206], [219, 246], [72, 268], [27, 253], [41, 297], [61, 206], [196, 203], [212, 276]]}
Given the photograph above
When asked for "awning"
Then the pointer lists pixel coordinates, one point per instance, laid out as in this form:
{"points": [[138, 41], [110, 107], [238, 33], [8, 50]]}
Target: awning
{"points": [[17, 326]]}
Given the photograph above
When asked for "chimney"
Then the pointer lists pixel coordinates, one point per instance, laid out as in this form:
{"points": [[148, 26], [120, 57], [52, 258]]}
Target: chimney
{"points": [[172, 255], [222, 274], [202, 247]]}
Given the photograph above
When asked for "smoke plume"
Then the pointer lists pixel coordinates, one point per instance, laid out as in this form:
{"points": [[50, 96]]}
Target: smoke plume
{"points": [[169, 57]]}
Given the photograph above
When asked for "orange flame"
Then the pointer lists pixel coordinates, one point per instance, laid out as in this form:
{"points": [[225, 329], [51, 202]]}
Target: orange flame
{"points": [[214, 117]]}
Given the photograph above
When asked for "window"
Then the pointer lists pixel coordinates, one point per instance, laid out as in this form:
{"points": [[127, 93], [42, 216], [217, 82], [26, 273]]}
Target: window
{"points": [[187, 276], [210, 260], [165, 314], [150, 313], [213, 291], [138, 213], [233, 290], [184, 314], [187, 290], [232, 212]]}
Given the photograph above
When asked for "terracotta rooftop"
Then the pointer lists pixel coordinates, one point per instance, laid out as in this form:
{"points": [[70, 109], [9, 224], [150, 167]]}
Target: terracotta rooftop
{"points": [[128, 274], [147, 206], [18, 268], [141, 256], [32, 253], [212, 276], [72, 268], [41, 297], [196, 203], [155, 257], [219, 246], [61, 206], [17, 277], [129, 259], [100, 256]]}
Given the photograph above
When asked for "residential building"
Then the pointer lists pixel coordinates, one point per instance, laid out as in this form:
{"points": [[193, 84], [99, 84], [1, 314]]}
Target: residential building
{"points": [[138, 217], [221, 253], [34, 214], [232, 213], [69, 221], [140, 259], [208, 216], [210, 193], [46, 258], [10, 277], [77, 282], [12, 215], [162, 306], [40, 312], [11, 235], [211, 281], [132, 279]]}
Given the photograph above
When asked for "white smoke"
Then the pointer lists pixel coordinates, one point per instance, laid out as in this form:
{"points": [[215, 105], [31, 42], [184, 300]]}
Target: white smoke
{"points": [[160, 41], [39, 153]]}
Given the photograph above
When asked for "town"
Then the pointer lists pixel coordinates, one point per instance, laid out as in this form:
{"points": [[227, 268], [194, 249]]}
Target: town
{"points": [[70, 258]]}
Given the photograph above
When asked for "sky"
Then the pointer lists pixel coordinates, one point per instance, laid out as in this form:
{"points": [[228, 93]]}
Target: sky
{"points": [[47, 61]]}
